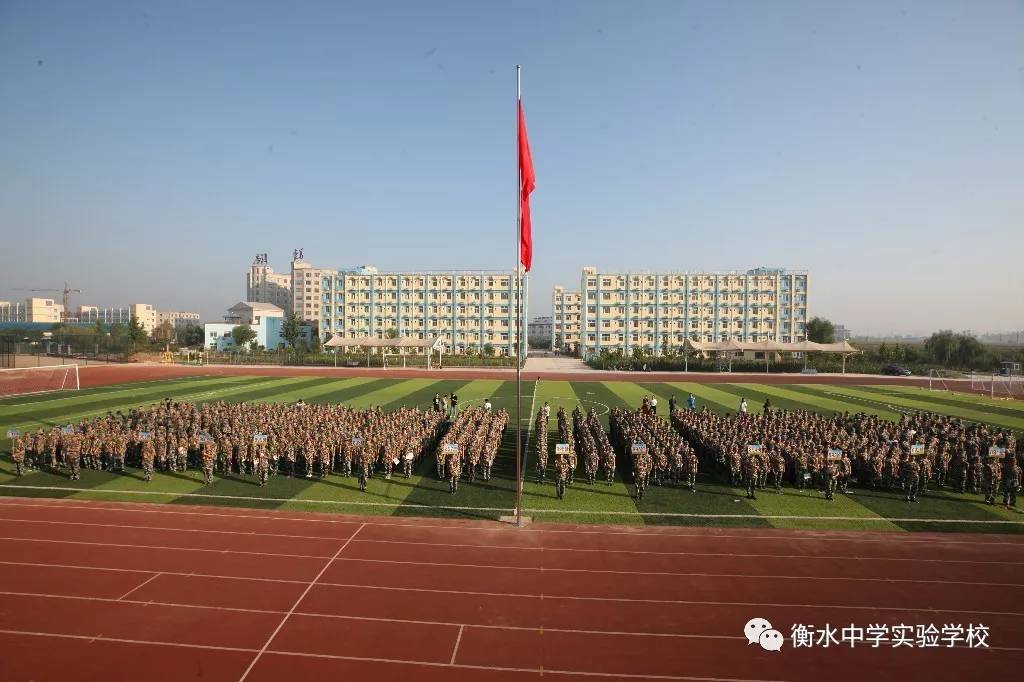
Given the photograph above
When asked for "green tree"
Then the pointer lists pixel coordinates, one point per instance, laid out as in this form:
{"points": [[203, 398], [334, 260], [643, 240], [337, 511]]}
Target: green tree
{"points": [[821, 330], [391, 333], [136, 332], [969, 351], [242, 335], [98, 329], [488, 350], [164, 333], [291, 330], [192, 335], [941, 346]]}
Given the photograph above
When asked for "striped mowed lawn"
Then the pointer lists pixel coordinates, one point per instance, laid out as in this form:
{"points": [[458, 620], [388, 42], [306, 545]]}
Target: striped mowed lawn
{"points": [[714, 503]]}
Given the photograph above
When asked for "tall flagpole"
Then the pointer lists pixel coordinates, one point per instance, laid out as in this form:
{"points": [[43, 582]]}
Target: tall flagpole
{"points": [[519, 303]]}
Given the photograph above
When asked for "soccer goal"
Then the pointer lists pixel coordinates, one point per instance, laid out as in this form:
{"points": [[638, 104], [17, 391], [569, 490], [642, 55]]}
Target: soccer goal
{"points": [[998, 386], [937, 379], [26, 380]]}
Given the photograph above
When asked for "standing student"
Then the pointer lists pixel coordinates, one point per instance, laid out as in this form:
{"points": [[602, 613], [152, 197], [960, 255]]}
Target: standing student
{"points": [[743, 407], [691, 403]]}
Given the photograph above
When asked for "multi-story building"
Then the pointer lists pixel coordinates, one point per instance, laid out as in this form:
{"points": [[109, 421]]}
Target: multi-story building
{"points": [[467, 310], [307, 295], [177, 318], [90, 314], [263, 285], [565, 325], [841, 333], [13, 312], [43, 310], [539, 329], [660, 310]]}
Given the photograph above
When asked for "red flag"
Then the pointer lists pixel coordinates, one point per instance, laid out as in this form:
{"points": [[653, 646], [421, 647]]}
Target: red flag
{"points": [[527, 182]]}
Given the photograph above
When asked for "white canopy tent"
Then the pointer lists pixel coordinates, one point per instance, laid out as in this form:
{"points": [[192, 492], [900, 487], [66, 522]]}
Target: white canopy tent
{"points": [[732, 346], [427, 345]]}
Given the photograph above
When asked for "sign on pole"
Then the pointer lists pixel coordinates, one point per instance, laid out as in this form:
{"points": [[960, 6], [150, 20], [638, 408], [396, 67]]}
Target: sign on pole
{"points": [[205, 437], [68, 429], [754, 449], [13, 433], [450, 448], [995, 452], [259, 438], [145, 435], [562, 449], [834, 454], [917, 450], [639, 448], [358, 440]]}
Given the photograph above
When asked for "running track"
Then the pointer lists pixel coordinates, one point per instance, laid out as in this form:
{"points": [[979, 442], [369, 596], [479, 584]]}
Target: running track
{"points": [[105, 591], [104, 375]]}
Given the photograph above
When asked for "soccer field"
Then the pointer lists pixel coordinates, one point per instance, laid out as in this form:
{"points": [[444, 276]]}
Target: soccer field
{"points": [[714, 502]]}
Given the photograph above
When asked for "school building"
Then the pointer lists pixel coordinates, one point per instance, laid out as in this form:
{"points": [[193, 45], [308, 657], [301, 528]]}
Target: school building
{"points": [[660, 310]]}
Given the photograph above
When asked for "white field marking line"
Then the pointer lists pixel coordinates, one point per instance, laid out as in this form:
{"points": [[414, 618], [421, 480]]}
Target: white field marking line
{"points": [[193, 574], [121, 640], [458, 640], [521, 628], [786, 535], [601, 570], [171, 383], [100, 491], [802, 557], [97, 491], [296, 604], [139, 587], [601, 550], [607, 410], [529, 430], [176, 549], [182, 530], [366, 659], [182, 574]]}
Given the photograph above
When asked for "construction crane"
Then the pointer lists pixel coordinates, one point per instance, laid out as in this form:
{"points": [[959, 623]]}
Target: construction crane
{"points": [[66, 292]]}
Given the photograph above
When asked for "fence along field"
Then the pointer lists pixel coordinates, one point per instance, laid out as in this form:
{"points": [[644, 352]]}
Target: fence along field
{"points": [[714, 503]]}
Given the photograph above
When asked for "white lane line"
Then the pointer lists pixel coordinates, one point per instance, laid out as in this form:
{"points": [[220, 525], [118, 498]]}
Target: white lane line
{"points": [[381, 619], [722, 576], [458, 640], [122, 640], [176, 549], [138, 587], [302, 596], [122, 526], [934, 539], [462, 666], [600, 550], [802, 557], [574, 512]]}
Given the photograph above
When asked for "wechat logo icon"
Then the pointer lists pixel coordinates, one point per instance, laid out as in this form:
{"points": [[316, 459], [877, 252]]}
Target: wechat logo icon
{"points": [[760, 631]]}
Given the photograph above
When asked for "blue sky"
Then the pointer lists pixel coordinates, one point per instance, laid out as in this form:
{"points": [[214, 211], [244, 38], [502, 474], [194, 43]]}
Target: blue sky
{"points": [[148, 150]]}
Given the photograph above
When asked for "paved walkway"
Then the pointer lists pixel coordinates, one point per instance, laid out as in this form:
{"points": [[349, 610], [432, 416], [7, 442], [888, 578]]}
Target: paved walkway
{"points": [[555, 364]]}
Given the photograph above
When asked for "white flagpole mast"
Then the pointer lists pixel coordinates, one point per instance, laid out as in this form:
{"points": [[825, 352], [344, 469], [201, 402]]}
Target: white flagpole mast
{"points": [[519, 303]]}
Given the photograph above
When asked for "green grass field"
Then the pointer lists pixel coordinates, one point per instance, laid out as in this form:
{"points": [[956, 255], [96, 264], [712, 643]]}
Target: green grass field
{"points": [[714, 503]]}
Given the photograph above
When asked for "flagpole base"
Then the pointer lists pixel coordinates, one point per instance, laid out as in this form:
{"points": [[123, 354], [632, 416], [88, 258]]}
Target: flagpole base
{"points": [[517, 521]]}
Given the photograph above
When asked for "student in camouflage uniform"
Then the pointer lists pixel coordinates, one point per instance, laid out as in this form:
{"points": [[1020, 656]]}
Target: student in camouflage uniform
{"points": [[1011, 480], [364, 466], [990, 476], [831, 479], [18, 455], [541, 439], [208, 452], [641, 470], [690, 463], [751, 474], [148, 456], [72, 446], [778, 466], [561, 475], [454, 462], [911, 477]]}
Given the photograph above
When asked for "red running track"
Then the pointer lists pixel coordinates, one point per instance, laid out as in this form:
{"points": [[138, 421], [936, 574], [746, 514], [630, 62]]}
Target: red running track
{"points": [[112, 591], [105, 375]]}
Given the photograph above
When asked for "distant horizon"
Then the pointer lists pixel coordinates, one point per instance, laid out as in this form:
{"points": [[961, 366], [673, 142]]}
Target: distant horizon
{"points": [[151, 150]]}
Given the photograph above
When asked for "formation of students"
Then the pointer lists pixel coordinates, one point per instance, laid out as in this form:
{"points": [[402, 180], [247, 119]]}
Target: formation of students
{"points": [[471, 445], [660, 455], [804, 448], [828, 452], [254, 439]]}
